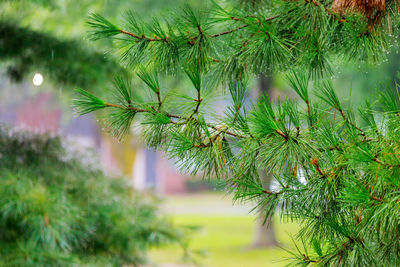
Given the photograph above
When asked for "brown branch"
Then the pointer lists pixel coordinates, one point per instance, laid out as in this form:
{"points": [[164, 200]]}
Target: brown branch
{"points": [[214, 127], [271, 193], [271, 18], [230, 31], [240, 27], [196, 109], [362, 133], [137, 110], [143, 37], [159, 99], [193, 40], [198, 100], [307, 258], [377, 198], [380, 162], [202, 145], [309, 113], [315, 163], [200, 29], [282, 134], [323, 116], [130, 34]]}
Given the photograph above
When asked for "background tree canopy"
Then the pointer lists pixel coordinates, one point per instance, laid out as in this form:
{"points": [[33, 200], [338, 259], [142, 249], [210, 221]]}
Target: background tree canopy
{"points": [[56, 210], [66, 62], [49, 36]]}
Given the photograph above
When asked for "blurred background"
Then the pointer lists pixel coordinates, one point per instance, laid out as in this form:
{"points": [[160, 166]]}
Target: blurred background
{"points": [[44, 55]]}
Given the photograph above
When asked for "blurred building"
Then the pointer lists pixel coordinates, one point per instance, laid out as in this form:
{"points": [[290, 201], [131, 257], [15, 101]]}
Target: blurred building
{"points": [[24, 107]]}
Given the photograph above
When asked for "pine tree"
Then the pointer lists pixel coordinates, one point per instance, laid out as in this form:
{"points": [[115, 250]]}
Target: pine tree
{"points": [[337, 169], [58, 210]]}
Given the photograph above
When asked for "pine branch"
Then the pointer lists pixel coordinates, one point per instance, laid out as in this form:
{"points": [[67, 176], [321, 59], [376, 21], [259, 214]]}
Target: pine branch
{"points": [[143, 37], [198, 100], [78, 103], [316, 164], [229, 31], [342, 188], [241, 27], [345, 118]]}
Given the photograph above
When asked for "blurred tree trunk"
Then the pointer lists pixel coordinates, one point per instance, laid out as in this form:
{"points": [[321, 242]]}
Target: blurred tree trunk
{"points": [[265, 232]]}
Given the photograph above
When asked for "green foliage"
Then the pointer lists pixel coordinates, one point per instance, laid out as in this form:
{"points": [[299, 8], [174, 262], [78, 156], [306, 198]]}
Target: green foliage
{"points": [[39, 2], [67, 62], [288, 33], [124, 90], [299, 83], [337, 177], [150, 79], [102, 28], [57, 211], [88, 102], [327, 94]]}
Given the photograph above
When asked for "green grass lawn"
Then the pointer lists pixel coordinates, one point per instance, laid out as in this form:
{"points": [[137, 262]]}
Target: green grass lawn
{"points": [[226, 239]]}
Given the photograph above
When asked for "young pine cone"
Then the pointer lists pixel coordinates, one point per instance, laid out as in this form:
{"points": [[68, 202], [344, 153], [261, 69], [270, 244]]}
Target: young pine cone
{"points": [[366, 7]]}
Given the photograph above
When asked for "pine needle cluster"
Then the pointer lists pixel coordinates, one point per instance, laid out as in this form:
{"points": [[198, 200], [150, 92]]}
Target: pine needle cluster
{"points": [[336, 174]]}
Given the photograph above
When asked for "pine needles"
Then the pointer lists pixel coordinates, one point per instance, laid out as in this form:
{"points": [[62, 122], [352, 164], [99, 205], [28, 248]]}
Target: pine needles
{"points": [[293, 33], [101, 27], [87, 102], [337, 177], [57, 211]]}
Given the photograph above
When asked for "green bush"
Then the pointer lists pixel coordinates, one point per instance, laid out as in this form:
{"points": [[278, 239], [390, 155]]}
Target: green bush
{"points": [[57, 211]]}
